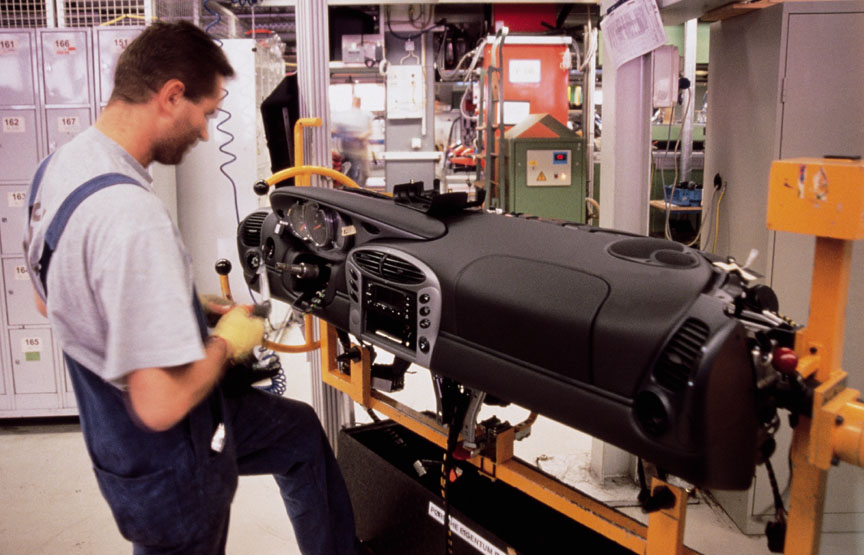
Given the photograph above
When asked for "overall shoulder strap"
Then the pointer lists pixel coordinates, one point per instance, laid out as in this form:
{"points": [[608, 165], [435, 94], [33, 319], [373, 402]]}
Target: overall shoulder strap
{"points": [[34, 185], [61, 218]]}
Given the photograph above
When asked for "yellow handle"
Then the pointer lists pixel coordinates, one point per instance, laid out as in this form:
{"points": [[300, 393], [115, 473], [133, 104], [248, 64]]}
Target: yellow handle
{"points": [[298, 144]]}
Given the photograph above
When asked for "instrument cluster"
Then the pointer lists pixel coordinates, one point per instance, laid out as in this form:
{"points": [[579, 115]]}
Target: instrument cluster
{"points": [[320, 226]]}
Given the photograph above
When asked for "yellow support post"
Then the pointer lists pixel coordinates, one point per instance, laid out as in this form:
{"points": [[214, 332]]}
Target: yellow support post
{"points": [[825, 198], [666, 526]]}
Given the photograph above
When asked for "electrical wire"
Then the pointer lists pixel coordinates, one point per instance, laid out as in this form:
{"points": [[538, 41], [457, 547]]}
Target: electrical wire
{"points": [[716, 209], [412, 36], [213, 23], [223, 148]]}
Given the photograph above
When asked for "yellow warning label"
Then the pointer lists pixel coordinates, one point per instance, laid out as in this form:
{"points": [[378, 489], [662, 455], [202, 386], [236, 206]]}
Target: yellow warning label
{"points": [[541, 177]]}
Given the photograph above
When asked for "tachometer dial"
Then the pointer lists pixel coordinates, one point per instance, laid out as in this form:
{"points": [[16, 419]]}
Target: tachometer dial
{"points": [[297, 221], [320, 224]]}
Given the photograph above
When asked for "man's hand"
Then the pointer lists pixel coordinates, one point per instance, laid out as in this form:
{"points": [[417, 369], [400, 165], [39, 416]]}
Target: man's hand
{"points": [[241, 332]]}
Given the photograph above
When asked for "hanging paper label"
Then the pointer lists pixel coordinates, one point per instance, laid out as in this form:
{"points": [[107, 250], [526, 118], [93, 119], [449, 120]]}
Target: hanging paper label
{"points": [[632, 29]]}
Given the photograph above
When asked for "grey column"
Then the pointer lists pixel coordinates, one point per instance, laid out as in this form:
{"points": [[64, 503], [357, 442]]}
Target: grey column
{"points": [[625, 183], [313, 57], [690, 40]]}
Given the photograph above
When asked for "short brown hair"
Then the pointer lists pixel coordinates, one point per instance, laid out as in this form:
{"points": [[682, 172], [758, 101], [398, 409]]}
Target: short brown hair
{"points": [[165, 51]]}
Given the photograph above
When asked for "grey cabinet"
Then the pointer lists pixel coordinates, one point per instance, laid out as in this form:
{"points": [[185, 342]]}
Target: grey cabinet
{"points": [[52, 81], [784, 82]]}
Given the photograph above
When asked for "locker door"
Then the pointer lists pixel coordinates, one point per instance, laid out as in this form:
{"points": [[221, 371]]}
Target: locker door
{"points": [[16, 66], [33, 376], [13, 211], [65, 67], [19, 144], [20, 309], [110, 43], [64, 123]]}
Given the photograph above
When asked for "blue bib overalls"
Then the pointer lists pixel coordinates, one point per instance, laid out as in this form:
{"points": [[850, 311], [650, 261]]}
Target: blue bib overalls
{"points": [[171, 491]]}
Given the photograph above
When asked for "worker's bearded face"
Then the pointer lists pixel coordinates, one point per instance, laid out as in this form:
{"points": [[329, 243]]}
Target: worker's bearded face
{"points": [[189, 125], [171, 149]]}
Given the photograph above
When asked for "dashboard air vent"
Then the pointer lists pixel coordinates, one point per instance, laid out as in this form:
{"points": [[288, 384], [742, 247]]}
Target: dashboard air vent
{"points": [[250, 231], [681, 355], [389, 267]]}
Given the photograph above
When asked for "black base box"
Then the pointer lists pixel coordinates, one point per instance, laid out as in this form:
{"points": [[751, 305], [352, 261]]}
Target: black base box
{"points": [[400, 512]]}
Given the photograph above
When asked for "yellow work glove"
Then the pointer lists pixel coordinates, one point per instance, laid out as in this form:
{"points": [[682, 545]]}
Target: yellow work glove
{"points": [[214, 307], [241, 331]]}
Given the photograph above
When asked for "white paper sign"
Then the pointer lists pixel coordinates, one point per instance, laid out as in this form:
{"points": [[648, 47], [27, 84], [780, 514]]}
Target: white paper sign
{"points": [[32, 349], [21, 273], [16, 199], [406, 92], [524, 71], [119, 44], [68, 124], [474, 539], [31, 344], [632, 29], [64, 46], [8, 46], [13, 124]]}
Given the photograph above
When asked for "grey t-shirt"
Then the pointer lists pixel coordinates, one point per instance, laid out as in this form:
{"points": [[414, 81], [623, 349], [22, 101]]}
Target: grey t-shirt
{"points": [[120, 281]]}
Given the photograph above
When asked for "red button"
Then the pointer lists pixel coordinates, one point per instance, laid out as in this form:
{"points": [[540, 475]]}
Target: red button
{"points": [[785, 360]]}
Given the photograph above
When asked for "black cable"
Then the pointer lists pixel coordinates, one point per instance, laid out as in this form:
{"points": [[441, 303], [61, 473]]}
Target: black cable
{"points": [[454, 421], [415, 35], [775, 490]]}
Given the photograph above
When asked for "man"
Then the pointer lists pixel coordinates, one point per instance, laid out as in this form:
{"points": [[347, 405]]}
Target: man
{"points": [[167, 443], [354, 127]]}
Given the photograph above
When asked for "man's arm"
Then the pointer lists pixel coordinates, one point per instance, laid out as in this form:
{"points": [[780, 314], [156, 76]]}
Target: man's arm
{"points": [[162, 397], [40, 304]]}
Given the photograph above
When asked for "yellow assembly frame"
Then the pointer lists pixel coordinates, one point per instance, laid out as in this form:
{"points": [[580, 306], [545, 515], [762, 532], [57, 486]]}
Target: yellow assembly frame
{"points": [[825, 198], [663, 535]]}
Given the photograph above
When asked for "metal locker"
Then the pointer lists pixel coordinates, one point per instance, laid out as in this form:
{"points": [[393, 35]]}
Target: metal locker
{"points": [[19, 144], [32, 360], [110, 43], [65, 67], [13, 211], [34, 380], [66, 393], [64, 123], [20, 309], [17, 87]]}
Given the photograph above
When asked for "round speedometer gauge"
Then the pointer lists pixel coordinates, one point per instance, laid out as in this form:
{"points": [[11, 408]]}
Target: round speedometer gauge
{"points": [[297, 221], [320, 224]]}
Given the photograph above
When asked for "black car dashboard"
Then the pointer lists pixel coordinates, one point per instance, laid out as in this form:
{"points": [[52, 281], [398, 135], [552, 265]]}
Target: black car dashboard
{"points": [[632, 339]]}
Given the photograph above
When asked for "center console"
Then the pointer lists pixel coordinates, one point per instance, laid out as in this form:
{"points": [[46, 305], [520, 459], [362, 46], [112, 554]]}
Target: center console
{"points": [[395, 302]]}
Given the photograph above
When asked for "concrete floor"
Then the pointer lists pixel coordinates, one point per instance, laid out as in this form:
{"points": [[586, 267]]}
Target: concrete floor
{"points": [[50, 503]]}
